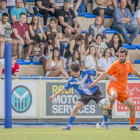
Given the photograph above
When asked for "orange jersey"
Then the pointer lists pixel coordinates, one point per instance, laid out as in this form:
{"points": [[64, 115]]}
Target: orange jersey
{"points": [[120, 71]]}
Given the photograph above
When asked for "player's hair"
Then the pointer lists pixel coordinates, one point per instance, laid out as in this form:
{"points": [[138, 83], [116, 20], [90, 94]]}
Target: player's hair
{"points": [[95, 55], [56, 48], [105, 52], [73, 59], [5, 15], [22, 14], [14, 57], [54, 19], [37, 38], [100, 36], [87, 43], [123, 50], [74, 67]]}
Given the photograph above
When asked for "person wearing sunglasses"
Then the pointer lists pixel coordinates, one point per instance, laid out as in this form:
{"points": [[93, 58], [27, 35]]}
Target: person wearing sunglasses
{"points": [[34, 28], [106, 60]]}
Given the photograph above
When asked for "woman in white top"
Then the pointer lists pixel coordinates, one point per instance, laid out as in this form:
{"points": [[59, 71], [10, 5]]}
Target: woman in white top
{"points": [[91, 60], [99, 45], [75, 57], [54, 65], [106, 60], [85, 48]]}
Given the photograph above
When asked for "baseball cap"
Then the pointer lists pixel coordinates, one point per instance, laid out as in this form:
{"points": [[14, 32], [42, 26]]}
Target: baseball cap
{"points": [[66, 0]]}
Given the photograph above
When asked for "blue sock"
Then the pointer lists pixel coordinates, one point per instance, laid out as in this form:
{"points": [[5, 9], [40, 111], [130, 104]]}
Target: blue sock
{"points": [[71, 119], [105, 118]]}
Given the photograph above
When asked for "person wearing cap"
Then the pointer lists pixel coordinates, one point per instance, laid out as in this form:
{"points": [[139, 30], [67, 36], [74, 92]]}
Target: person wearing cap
{"points": [[69, 23]]}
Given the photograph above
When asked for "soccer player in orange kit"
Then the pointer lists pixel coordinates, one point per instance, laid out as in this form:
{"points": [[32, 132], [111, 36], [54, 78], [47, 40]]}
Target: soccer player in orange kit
{"points": [[117, 90]]}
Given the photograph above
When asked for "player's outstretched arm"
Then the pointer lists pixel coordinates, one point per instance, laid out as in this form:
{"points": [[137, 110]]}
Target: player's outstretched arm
{"points": [[59, 92], [136, 73], [102, 76]]}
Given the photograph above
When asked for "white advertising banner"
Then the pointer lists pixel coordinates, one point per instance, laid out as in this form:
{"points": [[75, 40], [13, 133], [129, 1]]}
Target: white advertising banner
{"points": [[23, 99]]}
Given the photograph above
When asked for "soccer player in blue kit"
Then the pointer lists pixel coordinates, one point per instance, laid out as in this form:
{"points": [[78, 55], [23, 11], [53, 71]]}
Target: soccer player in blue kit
{"points": [[80, 81]]}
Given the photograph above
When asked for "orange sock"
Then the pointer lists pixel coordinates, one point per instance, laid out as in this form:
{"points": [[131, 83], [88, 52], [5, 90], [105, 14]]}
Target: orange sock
{"points": [[111, 105], [132, 120]]}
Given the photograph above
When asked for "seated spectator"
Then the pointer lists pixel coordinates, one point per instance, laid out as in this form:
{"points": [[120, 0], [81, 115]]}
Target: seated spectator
{"points": [[55, 65], [115, 43], [69, 23], [3, 23], [76, 47], [54, 28], [15, 67], [20, 30], [97, 28], [34, 28], [122, 17], [99, 45], [16, 11], [75, 57], [136, 19], [91, 60], [100, 7], [3, 9], [45, 9], [85, 48], [35, 51], [106, 60]]}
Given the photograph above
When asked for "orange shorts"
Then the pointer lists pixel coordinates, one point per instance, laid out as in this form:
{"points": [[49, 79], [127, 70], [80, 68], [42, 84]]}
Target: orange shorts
{"points": [[122, 95]]}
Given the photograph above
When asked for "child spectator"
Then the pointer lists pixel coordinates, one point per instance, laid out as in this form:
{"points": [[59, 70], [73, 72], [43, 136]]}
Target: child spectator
{"points": [[15, 67], [55, 65], [34, 28], [99, 45], [3, 23], [85, 48], [16, 11], [3, 9], [91, 60], [75, 57], [115, 43], [106, 60]]}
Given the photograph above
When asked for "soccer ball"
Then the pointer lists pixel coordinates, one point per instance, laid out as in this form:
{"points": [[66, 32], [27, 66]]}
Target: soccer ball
{"points": [[104, 104]]}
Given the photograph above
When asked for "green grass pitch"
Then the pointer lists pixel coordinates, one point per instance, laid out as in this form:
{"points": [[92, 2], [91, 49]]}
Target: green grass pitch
{"points": [[73, 134]]}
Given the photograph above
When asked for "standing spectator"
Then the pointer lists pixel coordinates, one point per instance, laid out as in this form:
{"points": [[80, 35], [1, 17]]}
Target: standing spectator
{"points": [[91, 60], [78, 46], [16, 11], [85, 48], [122, 17], [3, 23], [97, 28], [69, 23], [106, 60], [35, 51], [75, 57], [15, 67], [115, 43], [34, 28], [136, 18], [100, 7], [3, 9], [44, 9], [99, 45], [54, 65], [20, 29]]}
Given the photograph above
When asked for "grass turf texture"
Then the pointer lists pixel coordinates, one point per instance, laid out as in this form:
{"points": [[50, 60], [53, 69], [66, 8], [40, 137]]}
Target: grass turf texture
{"points": [[73, 134]]}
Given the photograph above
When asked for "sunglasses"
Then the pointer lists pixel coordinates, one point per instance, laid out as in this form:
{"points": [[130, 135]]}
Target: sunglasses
{"points": [[108, 52], [35, 19]]}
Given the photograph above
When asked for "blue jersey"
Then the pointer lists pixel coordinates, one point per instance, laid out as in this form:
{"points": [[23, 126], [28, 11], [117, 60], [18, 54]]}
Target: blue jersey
{"points": [[81, 84]]}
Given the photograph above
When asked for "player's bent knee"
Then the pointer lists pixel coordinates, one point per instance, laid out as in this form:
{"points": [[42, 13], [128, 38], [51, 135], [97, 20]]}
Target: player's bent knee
{"points": [[132, 106]]}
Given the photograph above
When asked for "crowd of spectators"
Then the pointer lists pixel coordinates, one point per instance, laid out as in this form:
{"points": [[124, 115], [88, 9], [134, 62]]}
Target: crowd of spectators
{"points": [[92, 51]]}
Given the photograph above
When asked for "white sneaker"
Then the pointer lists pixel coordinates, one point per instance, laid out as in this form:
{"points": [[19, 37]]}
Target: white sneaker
{"points": [[76, 13], [27, 59]]}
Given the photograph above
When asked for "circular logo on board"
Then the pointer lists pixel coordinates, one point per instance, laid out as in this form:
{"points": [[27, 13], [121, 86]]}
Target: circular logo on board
{"points": [[21, 99]]}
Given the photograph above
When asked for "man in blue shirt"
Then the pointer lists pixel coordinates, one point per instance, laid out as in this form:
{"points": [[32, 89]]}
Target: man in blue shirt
{"points": [[3, 9], [122, 16], [16, 11], [80, 81]]}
